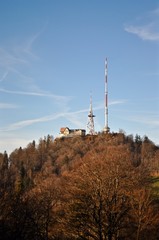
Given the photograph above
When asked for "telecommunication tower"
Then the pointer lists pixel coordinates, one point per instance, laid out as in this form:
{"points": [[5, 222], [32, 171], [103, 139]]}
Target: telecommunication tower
{"points": [[90, 124], [106, 128]]}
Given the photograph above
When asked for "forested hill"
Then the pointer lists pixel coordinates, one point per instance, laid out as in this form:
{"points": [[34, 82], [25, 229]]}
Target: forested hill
{"points": [[94, 187]]}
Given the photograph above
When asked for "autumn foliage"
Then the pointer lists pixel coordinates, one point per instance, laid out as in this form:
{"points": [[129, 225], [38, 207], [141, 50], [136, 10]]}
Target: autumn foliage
{"points": [[94, 188]]}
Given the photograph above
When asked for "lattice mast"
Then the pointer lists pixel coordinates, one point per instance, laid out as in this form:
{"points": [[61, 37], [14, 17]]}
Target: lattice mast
{"points": [[106, 128], [90, 124]]}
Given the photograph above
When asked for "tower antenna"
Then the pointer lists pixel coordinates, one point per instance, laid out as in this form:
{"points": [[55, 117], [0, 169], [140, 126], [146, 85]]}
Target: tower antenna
{"points": [[90, 125], [106, 128]]}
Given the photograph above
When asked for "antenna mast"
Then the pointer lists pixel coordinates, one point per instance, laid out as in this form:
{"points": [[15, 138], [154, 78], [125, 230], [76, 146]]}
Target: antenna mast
{"points": [[90, 124], [106, 128]]}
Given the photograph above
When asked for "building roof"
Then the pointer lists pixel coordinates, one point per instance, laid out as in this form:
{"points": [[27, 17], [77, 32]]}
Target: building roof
{"points": [[62, 130]]}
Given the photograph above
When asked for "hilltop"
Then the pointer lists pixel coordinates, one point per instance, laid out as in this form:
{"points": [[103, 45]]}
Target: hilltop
{"points": [[90, 187], [61, 154]]}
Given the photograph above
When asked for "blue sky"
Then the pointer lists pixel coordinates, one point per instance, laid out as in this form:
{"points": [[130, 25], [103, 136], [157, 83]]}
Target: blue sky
{"points": [[52, 56]]}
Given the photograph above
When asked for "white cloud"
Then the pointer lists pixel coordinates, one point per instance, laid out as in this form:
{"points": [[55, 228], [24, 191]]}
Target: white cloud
{"points": [[144, 32], [147, 31], [7, 106]]}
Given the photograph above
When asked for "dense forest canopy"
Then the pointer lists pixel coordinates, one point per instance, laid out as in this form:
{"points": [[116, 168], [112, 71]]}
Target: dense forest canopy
{"points": [[102, 187]]}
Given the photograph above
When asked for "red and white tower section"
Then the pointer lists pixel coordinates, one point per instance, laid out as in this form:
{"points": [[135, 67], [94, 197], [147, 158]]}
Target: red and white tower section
{"points": [[106, 128]]}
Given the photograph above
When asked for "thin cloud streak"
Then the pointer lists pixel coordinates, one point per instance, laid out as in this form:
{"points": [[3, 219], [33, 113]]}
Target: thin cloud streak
{"points": [[12, 59], [37, 94], [30, 42], [115, 102], [4, 76], [7, 106], [8, 60], [74, 119], [68, 115], [101, 106], [25, 123], [155, 12], [151, 122]]}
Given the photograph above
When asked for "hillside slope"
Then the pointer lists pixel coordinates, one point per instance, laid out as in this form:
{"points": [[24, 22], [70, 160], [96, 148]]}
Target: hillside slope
{"points": [[92, 187]]}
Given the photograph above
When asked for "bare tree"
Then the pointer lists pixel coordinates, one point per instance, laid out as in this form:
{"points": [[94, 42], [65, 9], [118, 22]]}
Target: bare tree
{"points": [[97, 192]]}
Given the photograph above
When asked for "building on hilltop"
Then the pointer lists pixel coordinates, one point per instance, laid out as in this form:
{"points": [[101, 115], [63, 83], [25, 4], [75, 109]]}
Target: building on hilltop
{"points": [[66, 132]]}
